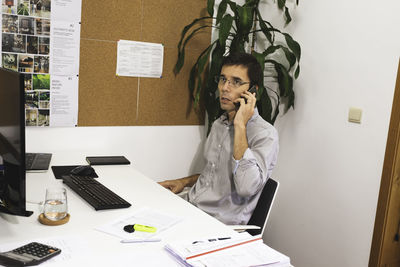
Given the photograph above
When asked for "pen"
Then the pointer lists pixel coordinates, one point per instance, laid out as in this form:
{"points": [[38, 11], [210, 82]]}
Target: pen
{"points": [[140, 240], [223, 238], [212, 240]]}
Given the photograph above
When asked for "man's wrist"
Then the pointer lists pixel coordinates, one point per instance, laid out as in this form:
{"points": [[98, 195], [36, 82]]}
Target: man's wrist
{"points": [[188, 181], [239, 125]]}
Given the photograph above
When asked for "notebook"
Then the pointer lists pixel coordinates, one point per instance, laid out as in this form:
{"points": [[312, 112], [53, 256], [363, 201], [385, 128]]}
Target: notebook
{"points": [[234, 251]]}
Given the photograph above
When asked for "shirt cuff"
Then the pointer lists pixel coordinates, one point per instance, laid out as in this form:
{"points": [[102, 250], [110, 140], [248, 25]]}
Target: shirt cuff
{"points": [[246, 156]]}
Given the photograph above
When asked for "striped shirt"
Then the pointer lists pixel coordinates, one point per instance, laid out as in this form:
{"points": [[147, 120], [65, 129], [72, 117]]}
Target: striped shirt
{"points": [[229, 189]]}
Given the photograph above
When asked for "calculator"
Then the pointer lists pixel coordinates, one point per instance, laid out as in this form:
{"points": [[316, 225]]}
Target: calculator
{"points": [[30, 254]]}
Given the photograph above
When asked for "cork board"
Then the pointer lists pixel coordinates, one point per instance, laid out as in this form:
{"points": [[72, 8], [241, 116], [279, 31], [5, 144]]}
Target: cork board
{"points": [[108, 100]]}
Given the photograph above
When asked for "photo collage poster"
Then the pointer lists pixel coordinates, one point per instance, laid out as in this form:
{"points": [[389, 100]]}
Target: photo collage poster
{"points": [[27, 43]]}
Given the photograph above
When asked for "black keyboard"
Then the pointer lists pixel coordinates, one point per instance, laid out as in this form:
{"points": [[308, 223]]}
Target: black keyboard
{"points": [[95, 193]]}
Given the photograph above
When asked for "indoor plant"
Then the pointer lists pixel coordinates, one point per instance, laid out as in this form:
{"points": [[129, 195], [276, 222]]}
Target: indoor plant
{"points": [[238, 27]]}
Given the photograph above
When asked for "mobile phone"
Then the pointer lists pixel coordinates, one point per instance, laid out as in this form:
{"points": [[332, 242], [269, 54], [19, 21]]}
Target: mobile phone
{"points": [[107, 160], [251, 90]]}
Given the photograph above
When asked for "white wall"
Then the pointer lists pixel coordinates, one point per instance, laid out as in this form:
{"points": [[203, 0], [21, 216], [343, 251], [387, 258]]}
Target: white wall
{"points": [[159, 152], [330, 169]]}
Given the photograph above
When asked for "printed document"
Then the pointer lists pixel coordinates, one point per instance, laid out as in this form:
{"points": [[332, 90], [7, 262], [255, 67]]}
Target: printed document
{"points": [[139, 59], [143, 216]]}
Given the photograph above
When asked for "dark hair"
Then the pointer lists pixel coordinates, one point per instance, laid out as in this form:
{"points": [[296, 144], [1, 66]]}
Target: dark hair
{"points": [[254, 70]]}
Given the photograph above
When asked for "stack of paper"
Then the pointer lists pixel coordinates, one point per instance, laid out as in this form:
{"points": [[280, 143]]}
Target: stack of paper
{"points": [[238, 250]]}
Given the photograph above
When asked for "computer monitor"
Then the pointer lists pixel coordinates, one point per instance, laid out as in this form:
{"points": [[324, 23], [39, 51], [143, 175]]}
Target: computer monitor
{"points": [[12, 144]]}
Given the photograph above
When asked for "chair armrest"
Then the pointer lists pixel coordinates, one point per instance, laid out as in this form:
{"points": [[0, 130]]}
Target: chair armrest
{"points": [[242, 228]]}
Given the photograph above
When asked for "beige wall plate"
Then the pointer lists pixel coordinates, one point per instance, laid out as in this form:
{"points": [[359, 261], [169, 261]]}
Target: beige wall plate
{"points": [[355, 115]]}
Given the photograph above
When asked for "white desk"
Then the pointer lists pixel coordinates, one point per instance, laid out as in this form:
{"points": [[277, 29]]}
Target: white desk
{"points": [[106, 249]]}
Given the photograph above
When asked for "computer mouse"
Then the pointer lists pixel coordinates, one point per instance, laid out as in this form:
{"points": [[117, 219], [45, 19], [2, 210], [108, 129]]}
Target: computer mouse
{"points": [[84, 170]]}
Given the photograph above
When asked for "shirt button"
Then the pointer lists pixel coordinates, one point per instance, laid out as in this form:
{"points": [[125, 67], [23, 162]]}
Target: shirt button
{"points": [[219, 146], [227, 127], [207, 184], [213, 165]]}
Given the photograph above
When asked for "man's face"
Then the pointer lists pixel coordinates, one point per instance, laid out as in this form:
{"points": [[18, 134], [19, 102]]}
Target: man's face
{"points": [[228, 92]]}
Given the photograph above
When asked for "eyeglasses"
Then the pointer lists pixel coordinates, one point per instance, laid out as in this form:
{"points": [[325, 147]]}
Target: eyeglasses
{"points": [[235, 82]]}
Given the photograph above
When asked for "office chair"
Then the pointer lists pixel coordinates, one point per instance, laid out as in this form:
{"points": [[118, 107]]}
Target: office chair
{"points": [[259, 218]]}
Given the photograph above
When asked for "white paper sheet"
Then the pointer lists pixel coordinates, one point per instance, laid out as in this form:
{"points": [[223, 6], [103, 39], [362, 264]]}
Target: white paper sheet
{"points": [[64, 42], [64, 100], [139, 59], [144, 216], [148, 257], [59, 8]]}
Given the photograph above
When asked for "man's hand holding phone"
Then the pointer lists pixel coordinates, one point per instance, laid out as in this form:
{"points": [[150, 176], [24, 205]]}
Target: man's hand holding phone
{"points": [[247, 103]]}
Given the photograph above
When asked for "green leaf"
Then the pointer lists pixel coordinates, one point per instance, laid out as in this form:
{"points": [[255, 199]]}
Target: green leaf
{"points": [[251, 3], [191, 81], [210, 7], [264, 106], [192, 34], [187, 28], [260, 58], [284, 79], [291, 58], [221, 11], [245, 19], [293, 45], [203, 59], [287, 15], [233, 7], [201, 62], [225, 27], [179, 62], [264, 27], [271, 49], [290, 100], [281, 3], [216, 62], [197, 94], [181, 52], [273, 119], [297, 72], [237, 44]]}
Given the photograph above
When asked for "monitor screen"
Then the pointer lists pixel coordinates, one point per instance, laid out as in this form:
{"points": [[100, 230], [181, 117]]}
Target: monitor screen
{"points": [[12, 143]]}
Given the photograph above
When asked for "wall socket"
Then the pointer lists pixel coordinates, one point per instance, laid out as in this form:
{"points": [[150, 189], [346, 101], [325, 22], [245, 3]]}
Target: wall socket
{"points": [[355, 115]]}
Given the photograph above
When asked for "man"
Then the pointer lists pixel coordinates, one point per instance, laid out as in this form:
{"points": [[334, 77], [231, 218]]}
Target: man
{"points": [[240, 151]]}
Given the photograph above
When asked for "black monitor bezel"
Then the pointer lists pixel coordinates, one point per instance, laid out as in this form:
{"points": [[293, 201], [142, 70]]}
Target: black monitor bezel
{"points": [[20, 209]]}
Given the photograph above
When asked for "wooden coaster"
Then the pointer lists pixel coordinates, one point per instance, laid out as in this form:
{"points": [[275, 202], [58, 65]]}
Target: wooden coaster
{"points": [[43, 220]]}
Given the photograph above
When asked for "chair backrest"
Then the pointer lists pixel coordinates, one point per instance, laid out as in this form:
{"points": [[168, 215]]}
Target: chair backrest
{"points": [[263, 207]]}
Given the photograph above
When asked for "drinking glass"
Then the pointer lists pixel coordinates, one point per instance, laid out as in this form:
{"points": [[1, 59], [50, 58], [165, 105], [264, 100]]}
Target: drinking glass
{"points": [[55, 205]]}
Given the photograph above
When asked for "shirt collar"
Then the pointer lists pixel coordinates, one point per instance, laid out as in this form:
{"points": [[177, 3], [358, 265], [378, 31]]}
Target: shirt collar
{"points": [[225, 119]]}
